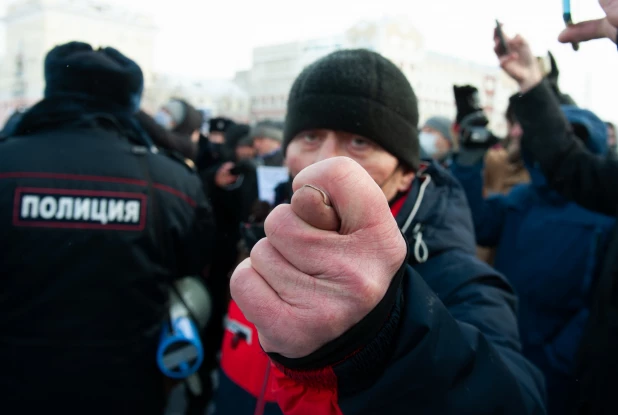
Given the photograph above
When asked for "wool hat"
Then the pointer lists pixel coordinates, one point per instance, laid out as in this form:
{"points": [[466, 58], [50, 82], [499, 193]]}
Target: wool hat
{"points": [[359, 92], [245, 141], [219, 124], [442, 125], [267, 129], [235, 133], [78, 70]]}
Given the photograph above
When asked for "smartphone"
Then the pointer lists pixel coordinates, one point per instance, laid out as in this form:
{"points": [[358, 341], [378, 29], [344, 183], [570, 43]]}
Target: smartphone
{"points": [[568, 18], [504, 49]]}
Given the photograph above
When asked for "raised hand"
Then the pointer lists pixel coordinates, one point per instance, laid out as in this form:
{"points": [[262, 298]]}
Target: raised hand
{"points": [[594, 29], [519, 63], [327, 261]]}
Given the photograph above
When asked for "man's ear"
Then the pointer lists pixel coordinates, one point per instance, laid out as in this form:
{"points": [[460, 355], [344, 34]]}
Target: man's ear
{"points": [[405, 180]]}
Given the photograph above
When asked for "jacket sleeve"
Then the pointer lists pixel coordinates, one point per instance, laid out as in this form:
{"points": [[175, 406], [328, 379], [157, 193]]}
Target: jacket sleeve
{"points": [[428, 358], [488, 214], [579, 175]]}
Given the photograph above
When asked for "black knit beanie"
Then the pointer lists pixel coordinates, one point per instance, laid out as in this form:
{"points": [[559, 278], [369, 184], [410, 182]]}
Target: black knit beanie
{"points": [[358, 92]]}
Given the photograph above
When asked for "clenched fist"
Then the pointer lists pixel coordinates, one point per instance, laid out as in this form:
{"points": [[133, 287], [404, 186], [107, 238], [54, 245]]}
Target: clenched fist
{"points": [[327, 260]]}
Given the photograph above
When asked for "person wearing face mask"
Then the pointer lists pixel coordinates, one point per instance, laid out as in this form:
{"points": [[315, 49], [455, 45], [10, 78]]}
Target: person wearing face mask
{"points": [[461, 357], [436, 139]]}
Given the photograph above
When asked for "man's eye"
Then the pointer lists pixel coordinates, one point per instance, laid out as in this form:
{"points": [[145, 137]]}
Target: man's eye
{"points": [[309, 138], [360, 143]]}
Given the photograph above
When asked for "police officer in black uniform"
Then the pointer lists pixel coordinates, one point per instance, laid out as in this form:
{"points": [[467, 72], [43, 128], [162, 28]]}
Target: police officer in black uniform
{"points": [[94, 226]]}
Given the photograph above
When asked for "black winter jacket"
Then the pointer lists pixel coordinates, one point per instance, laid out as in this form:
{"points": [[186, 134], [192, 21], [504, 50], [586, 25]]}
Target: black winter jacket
{"points": [[592, 182], [93, 228]]}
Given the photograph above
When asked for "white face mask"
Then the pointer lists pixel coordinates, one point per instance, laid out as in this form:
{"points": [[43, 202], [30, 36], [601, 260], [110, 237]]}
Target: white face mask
{"points": [[164, 119], [428, 141]]}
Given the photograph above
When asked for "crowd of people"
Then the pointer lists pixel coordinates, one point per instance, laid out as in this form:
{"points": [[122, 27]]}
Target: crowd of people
{"points": [[434, 269]]}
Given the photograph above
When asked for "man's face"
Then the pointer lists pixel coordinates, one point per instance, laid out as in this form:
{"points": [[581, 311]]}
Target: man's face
{"points": [[265, 145], [165, 119], [442, 145], [245, 153], [216, 137], [514, 132], [310, 147], [195, 137]]}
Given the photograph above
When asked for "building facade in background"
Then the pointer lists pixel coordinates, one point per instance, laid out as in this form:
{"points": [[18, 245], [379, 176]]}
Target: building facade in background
{"points": [[432, 75], [33, 27], [217, 97], [274, 69]]}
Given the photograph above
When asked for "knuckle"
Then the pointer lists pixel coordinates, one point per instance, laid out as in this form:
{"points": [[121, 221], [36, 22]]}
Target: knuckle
{"points": [[370, 293], [260, 250], [277, 220], [240, 283]]}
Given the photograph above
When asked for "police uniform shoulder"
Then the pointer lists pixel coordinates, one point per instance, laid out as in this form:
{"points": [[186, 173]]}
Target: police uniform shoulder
{"points": [[179, 158]]}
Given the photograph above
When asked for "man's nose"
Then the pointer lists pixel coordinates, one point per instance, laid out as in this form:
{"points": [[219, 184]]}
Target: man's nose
{"points": [[330, 147]]}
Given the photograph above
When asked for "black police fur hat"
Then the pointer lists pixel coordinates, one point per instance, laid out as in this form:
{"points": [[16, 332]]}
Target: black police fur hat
{"points": [[76, 69]]}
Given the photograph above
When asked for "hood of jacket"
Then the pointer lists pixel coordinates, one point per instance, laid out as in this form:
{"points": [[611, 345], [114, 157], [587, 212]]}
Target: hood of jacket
{"points": [[435, 216], [581, 119]]}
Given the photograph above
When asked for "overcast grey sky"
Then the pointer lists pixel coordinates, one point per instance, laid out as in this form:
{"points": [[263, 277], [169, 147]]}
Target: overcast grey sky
{"points": [[213, 39]]}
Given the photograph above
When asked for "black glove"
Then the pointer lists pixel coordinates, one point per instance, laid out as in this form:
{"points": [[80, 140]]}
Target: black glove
{"points": [[467, 101]]}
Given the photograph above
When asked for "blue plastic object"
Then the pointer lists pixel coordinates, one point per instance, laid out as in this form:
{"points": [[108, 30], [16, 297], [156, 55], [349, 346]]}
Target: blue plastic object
{"points": [[180, 352]]}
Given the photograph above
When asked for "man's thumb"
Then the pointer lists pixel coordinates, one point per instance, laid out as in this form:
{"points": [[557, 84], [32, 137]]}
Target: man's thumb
{"points": [[582, 32], [312, 205], [356, 200]]}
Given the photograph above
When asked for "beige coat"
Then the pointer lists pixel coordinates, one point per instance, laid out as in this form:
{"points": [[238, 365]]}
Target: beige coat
{"points": [[499, 176]]}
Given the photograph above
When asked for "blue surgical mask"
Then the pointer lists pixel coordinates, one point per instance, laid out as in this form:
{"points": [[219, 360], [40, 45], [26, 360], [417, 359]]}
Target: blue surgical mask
{"points": [[428, 142], [164, 119]]}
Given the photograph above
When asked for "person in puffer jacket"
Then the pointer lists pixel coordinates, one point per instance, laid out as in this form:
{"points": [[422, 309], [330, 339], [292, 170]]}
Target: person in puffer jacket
{"points": [[461, 357], [551, 250]]}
